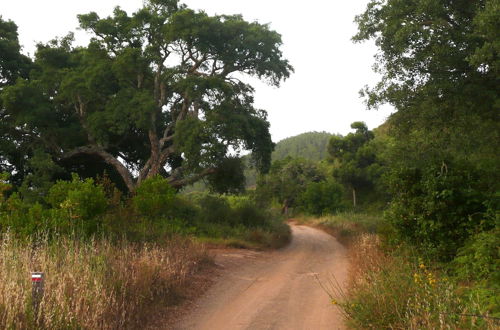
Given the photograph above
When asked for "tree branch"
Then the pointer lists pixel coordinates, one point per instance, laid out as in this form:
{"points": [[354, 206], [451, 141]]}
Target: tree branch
{"points": [[179, 183], [108, 158]]}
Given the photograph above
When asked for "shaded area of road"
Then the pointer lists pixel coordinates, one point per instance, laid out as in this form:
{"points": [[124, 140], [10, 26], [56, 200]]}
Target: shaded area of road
{"points": [[274, 290]]}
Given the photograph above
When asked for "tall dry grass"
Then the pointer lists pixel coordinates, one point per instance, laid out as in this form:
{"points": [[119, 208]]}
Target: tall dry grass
{"points": [[91, 284]]}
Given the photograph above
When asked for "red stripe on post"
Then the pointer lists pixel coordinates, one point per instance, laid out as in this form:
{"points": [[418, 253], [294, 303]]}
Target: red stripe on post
{"points": [[36, 277]]}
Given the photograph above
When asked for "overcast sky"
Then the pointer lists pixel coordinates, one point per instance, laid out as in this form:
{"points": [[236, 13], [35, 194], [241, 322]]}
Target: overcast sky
{"points": [[322, 95]]}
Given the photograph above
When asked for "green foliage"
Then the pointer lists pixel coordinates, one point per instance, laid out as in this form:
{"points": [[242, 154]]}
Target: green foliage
{"points": [[438, 208], [325, 197], [12, 63], [354, 159], [478, 263], [249, 213], [13, 66], [231, 210], [287, 180], [479, 259], [214, 209], [402, 292], [83, 209], [153, 89], [4, 186], [439, 70], [229, 177], [82, 199], [154, 198], [42, 171], [76, 207], [310, 146]]}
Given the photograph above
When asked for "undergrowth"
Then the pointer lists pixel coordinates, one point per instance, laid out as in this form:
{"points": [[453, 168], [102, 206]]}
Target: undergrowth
{"points": [[92, 284], [397, 286]]}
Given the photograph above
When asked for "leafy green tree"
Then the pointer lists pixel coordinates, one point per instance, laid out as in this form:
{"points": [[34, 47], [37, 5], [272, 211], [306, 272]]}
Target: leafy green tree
{"points": [[155, 92], [354, 158], [439, 67], [322, 198], [287, 180], [154, 198], [13, 65]]}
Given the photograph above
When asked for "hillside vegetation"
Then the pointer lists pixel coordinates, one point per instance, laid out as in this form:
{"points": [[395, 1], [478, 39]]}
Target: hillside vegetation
{"points": [[309, 145]]}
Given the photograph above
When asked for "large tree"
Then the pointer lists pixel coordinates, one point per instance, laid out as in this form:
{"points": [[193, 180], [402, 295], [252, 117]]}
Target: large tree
{"points": [[160, 91], [354, 158], [287, 180], [439, 62], [440, 69], [13, 65]]}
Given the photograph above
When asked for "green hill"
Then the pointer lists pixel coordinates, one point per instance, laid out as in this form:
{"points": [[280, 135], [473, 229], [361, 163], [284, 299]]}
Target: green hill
{"points": [[310, 145]]}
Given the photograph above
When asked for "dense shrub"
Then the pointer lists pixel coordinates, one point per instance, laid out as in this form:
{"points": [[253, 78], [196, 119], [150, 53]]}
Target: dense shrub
{"points": [[438, 207], [155, 213], [154, 198], [323, 197], [478, 263], [479, 259], [248, 213], [76, 205], [4, 186], [21, 218], [214, 209], [82, 199]]}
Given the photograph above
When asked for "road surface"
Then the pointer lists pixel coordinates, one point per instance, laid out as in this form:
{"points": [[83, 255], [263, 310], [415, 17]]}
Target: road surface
{"points": [[274, 290]]}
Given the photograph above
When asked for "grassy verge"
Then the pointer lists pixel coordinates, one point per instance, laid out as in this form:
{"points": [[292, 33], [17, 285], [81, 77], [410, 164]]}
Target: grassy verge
{"points": [[393, 287], [92, 284], [346, 227], [275, 235], [150, 245]]}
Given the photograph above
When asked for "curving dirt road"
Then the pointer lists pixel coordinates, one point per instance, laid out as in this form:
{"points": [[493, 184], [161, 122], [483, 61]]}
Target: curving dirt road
{"points": [[274, 290]]}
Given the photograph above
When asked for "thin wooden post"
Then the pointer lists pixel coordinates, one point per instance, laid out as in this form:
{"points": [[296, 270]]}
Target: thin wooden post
{"points": [[37, 290]]}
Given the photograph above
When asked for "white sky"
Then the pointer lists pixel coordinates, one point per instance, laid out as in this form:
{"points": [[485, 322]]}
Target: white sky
{"points": [[322, 95]]}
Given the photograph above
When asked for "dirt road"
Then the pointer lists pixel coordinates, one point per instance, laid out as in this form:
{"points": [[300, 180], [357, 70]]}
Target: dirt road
{"points": [[274, 290]]}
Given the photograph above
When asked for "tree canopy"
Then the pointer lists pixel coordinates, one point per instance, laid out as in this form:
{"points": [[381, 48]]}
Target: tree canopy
{"points": [[439, 66], [159, 91], [440, 69], [354, 158], [287, 180]]}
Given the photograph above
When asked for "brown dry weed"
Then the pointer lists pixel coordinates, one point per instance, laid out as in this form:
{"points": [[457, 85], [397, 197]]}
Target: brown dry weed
{"points": [[92, 285]]}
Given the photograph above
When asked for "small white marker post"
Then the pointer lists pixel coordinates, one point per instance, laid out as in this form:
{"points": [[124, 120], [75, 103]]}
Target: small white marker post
{"points": [[37, 290]]}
